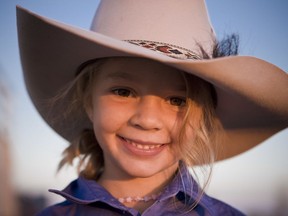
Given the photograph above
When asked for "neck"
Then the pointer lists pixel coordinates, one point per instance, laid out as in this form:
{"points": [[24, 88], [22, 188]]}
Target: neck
{"points": [[129, 186]]}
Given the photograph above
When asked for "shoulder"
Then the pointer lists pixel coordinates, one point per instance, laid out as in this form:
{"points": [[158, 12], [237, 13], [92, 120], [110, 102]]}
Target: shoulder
{"points": [[72, 208], [64, 208], [83, 197], [188, 191], [217, 207]]}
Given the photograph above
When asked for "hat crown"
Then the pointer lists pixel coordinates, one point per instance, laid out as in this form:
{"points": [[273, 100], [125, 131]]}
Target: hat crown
{"points": [[183, 23]]}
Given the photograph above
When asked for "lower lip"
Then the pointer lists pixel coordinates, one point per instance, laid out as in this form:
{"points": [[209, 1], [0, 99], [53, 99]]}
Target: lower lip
{"points": [[142, 152]]}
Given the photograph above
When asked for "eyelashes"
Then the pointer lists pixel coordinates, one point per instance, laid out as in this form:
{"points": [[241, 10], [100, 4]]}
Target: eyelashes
{"points": [[123, 92], [177, 101], [128, 93]]}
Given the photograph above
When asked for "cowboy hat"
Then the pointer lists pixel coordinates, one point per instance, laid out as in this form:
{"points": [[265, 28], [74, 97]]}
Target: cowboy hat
{"points": [[252, 93]]}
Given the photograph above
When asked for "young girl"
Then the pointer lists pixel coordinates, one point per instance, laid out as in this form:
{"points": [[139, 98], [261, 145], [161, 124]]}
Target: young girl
{"points": [[142, 102]]}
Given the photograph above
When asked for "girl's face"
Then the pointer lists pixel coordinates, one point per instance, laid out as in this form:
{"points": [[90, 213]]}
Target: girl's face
{"points": [[137, 110]]}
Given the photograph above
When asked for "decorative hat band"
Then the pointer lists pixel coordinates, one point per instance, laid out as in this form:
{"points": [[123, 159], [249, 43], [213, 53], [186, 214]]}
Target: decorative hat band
{"points": [[166, 49]]}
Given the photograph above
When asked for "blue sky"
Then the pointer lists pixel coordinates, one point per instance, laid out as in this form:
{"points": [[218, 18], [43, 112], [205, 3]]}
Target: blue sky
{"points": [[36, 149]]}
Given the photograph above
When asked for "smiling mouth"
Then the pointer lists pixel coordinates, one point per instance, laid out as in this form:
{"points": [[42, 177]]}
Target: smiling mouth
{"points": [[142, 146]]}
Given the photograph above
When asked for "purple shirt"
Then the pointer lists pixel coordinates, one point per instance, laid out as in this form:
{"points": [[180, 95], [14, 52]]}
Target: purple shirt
{"points": [[86, 197]]}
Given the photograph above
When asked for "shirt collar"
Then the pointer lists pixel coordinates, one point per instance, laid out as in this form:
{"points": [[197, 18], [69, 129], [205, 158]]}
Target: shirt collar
{"points": [[84, 191]]}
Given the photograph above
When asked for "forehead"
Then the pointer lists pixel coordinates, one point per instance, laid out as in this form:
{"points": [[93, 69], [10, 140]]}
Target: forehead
{"points": [[135, 69]]}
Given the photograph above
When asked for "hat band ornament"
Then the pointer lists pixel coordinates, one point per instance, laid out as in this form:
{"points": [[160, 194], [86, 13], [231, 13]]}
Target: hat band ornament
{"points": [[166, 49]]}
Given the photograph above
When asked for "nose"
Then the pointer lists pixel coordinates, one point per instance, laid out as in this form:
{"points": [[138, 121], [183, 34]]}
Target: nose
{"points": [[148, 114]]}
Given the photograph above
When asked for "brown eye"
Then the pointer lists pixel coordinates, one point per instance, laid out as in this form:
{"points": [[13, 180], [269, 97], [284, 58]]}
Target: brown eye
{"points": [[176, 101], [122, 92]]}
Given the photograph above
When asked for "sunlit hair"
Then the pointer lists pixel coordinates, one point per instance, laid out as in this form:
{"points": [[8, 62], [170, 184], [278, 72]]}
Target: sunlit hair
{"points": [[200, 134], [200, 119]]}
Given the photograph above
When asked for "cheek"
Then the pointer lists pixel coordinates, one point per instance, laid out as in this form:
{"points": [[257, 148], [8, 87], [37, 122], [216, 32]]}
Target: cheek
{"points": [[107, 116], [187, 130]]}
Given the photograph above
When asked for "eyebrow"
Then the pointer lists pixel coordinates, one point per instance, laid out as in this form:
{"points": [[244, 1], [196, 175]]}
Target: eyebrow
{"points": [[122, 75], [181, 88]]}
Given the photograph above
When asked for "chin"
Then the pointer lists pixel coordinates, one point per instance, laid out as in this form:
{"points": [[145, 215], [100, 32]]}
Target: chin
{"points": [[146, 170]]}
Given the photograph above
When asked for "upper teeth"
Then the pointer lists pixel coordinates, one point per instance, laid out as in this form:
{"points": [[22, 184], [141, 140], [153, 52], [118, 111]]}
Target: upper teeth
{"points": [[141, 146], [145, 147]]}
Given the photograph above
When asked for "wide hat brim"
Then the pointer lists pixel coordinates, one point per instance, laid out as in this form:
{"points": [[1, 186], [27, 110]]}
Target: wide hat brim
{"points": [[252, 93]]}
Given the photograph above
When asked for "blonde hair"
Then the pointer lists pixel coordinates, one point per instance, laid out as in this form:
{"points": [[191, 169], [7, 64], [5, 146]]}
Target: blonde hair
{"points": [[200, 149], [84, 147]]}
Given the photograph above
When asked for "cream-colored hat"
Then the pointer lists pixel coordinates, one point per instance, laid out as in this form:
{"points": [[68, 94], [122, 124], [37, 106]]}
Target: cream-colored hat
{"points": [[252, 94]]}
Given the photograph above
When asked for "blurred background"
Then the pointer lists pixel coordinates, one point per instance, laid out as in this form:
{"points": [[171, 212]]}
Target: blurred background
{"points": [[255, 182]]}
